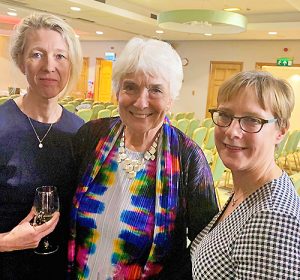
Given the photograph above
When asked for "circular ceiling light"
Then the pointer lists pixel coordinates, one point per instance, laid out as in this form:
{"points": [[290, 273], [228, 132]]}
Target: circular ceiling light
{"points": [[233, 9], [202, 21], [13, 14], [76, 9]]}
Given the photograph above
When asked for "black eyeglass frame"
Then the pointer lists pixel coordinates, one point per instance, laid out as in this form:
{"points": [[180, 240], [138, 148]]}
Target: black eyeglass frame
{"points": [[262, 121]]}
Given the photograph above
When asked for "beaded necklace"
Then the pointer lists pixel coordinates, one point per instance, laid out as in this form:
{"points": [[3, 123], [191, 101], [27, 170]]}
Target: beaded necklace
{"points": [[132, 166]]}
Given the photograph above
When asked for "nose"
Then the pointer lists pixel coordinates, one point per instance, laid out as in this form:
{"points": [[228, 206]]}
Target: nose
{"points": [[50, 64], [142, 100], [234, 130]]}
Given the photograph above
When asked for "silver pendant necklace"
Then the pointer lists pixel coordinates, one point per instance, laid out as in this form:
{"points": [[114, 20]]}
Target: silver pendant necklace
{"points": [[38, 138], [132, 166]]}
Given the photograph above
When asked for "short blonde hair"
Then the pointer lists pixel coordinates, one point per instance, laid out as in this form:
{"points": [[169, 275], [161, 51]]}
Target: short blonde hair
{"points": [[48, 21], [152, 57], [273, 93]]}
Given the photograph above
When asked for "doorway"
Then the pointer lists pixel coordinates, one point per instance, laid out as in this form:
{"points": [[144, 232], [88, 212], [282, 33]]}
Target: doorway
{"points": [[220, 71]]}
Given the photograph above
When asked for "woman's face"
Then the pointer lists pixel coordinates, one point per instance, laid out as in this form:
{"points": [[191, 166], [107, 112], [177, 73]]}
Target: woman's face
{"points": [[45, 62], [243, 151], [143, 102]]}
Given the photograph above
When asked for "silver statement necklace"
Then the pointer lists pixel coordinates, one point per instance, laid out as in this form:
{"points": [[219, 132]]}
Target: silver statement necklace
{"points": [[37, 136], [132, 166]]}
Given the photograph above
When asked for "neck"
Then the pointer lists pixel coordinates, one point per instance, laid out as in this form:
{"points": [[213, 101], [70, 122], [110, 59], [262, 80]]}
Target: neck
{"points": [[248, 182], [140, 142], [39, 109]]}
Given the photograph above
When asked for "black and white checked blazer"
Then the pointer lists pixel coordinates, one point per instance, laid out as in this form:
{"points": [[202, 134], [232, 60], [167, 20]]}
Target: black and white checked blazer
{"points": [[259, 240]]}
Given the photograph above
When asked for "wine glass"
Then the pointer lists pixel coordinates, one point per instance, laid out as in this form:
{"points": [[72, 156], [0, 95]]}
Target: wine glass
{"points": [[46, 203]]}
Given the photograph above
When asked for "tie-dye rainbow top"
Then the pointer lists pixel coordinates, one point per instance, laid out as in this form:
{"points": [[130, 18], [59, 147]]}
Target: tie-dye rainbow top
{"points": [[132, 219]]}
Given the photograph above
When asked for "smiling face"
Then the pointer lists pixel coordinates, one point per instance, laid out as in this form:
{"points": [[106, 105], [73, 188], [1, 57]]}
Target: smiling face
{"points": [[242, 151], [45, 62], [143, 102]]}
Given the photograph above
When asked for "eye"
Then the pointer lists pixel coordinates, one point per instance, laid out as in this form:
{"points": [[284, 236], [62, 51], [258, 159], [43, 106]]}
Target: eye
{"points": [[155, 92], [60, 56], [129, 88], [224, 117], [251, 121], [37, 55]]}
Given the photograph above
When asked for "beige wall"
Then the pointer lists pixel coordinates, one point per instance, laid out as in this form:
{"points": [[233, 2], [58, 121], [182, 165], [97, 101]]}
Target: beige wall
{"points": [[10, 75], [292, 75], [196, 73], [200, 53]]}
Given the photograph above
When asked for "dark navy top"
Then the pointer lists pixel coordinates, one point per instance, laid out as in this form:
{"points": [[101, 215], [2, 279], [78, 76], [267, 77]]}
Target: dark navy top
{"points": [[23, 168]]}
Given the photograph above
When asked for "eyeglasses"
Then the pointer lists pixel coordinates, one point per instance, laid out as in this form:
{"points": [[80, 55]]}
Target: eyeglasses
{"points": [[248, 124]]}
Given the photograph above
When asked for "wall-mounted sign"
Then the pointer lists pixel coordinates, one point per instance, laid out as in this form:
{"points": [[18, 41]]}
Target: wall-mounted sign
{"points": [[110, 56], [284, 61]]}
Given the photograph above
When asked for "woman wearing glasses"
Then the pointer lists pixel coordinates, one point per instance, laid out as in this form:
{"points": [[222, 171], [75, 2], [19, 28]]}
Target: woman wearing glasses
{"points": [[256, 234]]}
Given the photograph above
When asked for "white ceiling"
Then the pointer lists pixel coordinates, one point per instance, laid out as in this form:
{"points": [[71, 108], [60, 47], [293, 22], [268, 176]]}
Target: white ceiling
{"points": [[121, 20]]}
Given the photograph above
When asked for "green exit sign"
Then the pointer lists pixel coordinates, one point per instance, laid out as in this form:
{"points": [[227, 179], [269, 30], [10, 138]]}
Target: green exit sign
{"points": [[284, 61]]}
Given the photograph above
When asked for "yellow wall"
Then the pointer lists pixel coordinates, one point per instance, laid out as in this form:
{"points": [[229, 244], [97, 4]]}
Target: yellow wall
{"points": [[292, 75]]}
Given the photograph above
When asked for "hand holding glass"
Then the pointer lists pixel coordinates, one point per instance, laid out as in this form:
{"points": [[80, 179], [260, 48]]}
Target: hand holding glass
{"points": [[46, 203]]}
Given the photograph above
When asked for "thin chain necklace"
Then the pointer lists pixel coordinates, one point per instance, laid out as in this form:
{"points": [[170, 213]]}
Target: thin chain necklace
{"points": [[37, 136], [236, 199], [132, 166]]}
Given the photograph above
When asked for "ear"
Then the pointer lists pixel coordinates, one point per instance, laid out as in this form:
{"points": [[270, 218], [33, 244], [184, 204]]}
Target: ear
{"points": [[21, 65], [281, 132], [169, 104]]}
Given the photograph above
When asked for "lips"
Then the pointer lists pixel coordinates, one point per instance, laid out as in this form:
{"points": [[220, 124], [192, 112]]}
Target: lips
{"points": [[48, 79], [140, 115], [233, 148]]}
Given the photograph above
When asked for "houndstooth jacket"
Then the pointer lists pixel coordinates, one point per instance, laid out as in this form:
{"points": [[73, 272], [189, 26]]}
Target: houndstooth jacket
{"points": [[259, 240]]}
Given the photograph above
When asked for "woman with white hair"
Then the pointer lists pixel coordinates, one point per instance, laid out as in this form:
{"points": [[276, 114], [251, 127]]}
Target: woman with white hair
{"points": [[144, 184], [35, 146]]}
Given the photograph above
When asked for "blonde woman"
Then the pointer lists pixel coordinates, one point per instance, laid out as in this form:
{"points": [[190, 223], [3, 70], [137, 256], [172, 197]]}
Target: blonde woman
{"points": [[257, 233], [35, 136]]}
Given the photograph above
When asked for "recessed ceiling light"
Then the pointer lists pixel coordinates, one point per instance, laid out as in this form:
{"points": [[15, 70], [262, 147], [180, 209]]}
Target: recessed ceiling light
{"points": [[77, 9], [99, 32], [233, 9], [77, 36], [272, 33], [207, 34], [13, 14], [159, 31]]}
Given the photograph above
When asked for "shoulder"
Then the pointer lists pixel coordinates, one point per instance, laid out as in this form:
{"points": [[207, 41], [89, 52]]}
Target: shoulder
{"points": [[71, 121], [284, 196], [278, 196], [8, 114], [90, 133], [99, 126], [276, 205], [274, 220], [190, 152], [7, 106], [186, 143]]}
